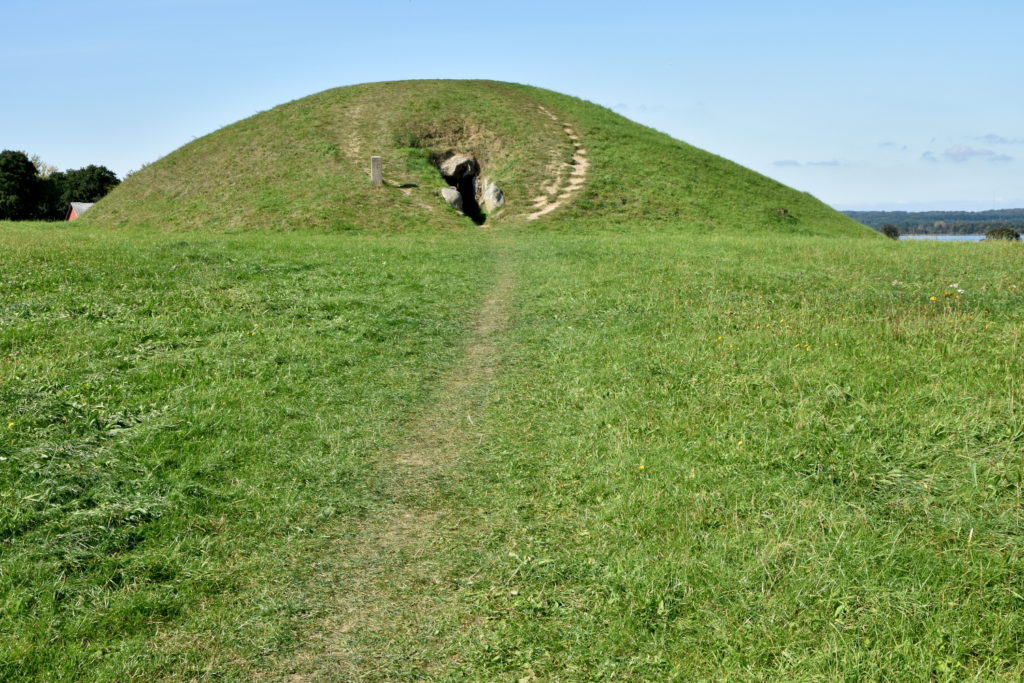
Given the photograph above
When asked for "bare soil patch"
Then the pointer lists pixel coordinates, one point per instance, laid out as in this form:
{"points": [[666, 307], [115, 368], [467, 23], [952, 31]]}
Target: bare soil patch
{"points": [[568, 179]]}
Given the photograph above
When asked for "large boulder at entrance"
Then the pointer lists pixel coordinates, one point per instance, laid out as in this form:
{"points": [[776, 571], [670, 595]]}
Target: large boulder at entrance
{"points": [[453, 197], [492, 198], [459, 166]]}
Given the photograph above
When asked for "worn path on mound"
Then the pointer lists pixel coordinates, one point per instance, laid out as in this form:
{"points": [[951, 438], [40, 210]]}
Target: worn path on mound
{"points": [[392, 590], [569, 178]]}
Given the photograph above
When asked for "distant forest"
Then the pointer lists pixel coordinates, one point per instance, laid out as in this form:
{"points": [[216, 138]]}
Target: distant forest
{"points": [[942, 222]]}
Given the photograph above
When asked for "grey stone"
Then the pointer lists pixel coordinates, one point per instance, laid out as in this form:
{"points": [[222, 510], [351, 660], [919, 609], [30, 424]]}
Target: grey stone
{"points": [[459, 166], [375, 170], [492, 198], [453, 197]]}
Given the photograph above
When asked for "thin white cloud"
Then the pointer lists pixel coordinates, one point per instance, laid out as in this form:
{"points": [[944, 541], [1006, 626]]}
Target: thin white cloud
{"points": [[958, 154], [929, 157], [994, 139]]}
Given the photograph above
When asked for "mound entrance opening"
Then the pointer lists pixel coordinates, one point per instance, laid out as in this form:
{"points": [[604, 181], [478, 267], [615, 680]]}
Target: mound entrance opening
{"points": [[462, 173], [468, 192]]}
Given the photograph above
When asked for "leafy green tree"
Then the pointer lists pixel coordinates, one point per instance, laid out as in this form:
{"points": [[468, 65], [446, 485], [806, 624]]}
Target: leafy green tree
{"points": [[52, 206], [19, 187], [89, 184], [44, 169], [1002, 233], [60, 188], [891, 231], [31, 189]]}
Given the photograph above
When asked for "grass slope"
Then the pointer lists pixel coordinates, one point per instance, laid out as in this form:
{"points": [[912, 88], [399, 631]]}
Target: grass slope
{"points": [[305, 165]]}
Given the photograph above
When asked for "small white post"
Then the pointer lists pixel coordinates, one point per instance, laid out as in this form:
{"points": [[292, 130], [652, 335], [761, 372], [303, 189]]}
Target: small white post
{"points": [[376, 175]]}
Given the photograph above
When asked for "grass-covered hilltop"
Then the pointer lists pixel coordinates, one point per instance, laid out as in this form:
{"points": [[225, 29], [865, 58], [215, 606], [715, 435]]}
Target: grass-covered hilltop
{"points": [[305, 165], [655, 418]]}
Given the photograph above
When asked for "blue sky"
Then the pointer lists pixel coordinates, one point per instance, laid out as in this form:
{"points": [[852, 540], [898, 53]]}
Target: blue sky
{"points": [[868, 105]]}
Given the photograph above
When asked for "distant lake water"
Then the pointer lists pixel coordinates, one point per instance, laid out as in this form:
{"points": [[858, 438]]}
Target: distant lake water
{"points": [[945, 238]]}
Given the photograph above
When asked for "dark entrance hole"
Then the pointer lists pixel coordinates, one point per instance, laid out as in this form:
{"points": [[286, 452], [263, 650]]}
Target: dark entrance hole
{"points": [[467, 188], [463, 177]]}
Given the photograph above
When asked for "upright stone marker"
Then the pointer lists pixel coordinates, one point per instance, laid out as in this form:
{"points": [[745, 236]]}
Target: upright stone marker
{"points": [[376, 175]]}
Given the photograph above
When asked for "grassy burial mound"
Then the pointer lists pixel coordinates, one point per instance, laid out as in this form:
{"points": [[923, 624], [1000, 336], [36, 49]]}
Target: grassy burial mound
{"points": [[305, 164]]}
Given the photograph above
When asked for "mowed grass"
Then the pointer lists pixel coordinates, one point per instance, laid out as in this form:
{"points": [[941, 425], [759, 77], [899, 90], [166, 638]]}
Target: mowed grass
{"points": [[703, 457], [792, 458], [181, 413]]}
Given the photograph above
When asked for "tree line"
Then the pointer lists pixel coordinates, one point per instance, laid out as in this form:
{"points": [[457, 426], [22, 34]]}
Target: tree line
{"points": [[942, 222], [33, 190]]}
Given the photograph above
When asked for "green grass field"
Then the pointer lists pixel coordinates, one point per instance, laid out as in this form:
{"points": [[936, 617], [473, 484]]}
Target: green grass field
{"points": [[181, 413], [681, 456]]}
